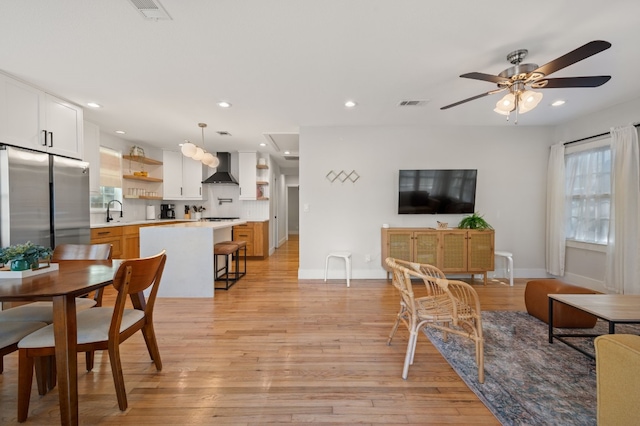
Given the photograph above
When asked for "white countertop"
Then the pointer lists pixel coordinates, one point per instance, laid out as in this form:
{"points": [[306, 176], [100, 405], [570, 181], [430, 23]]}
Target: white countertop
{"points": [[164, 222], [204, 224], [139, 222]]}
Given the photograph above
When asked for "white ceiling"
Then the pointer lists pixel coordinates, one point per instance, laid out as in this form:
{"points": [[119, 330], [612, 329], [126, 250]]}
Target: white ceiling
{"points": [[284, 64]]}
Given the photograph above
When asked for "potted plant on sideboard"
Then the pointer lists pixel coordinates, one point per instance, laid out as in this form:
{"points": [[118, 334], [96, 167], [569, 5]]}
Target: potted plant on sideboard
{"points": [[475, 221]]}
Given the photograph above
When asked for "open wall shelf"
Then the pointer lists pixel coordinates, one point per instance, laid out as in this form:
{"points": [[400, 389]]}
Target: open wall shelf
{"points": [[142, 160]]}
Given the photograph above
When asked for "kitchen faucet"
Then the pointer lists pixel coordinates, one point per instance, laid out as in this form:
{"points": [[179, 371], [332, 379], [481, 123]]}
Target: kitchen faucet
{"points": [[109, 218]]}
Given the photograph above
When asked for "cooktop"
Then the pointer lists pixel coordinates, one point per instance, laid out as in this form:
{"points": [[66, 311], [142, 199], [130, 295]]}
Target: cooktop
{"points": [[219, 219]]}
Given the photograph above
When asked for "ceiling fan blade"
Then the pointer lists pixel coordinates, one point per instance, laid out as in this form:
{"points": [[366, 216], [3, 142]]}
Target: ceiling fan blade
{"points": [[473, 98], [485, 77], [557, 83], [577, 55]]}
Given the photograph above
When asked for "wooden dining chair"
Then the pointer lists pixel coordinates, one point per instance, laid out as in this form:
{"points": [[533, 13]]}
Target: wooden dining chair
{"points": [[43, 311], [10, 334], [84, 252], [103, 328]]}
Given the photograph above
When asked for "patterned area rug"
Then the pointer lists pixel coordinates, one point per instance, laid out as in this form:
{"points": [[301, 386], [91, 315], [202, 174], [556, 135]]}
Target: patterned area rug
{"points": [[527, 380]]}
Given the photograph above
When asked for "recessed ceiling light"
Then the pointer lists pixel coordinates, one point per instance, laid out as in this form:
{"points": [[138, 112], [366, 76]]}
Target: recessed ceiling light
{"points": [[224, 104], [263, 144], [287, 153], [94, 105], [558, 102], [350, 104], [120, 132]]}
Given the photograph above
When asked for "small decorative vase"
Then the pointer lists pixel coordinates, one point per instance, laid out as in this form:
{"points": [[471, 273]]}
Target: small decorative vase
{"points": [[20, 265]]}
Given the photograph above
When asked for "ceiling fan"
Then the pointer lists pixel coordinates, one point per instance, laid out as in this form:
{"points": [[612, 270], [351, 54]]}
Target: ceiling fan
{"points": [[519, 79]]}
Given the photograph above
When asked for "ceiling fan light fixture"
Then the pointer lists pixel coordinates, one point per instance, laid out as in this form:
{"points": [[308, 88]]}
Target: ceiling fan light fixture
{"points": [[528, 101], [519, 78], [505, 105]]}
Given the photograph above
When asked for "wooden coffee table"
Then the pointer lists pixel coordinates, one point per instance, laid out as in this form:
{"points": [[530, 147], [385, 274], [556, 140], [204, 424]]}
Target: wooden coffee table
{"points": [[613, 308]]}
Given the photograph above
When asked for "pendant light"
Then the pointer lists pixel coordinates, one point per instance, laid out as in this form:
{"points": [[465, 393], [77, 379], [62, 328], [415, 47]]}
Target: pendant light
{"points": [[200, 154], [188, 149], [207, 158]]}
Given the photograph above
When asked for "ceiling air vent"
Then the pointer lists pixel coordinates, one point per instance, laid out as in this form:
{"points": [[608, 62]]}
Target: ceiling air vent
{"points": [[151, 9], [291, 157], [223, 133], [412, 103]]}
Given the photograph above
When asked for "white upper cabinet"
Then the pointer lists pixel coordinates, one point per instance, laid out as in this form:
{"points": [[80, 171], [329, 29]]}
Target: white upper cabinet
{"points": [[172, 175], [191, 179], [64, 126], [33, 119], [182, 177], [247, 175]]}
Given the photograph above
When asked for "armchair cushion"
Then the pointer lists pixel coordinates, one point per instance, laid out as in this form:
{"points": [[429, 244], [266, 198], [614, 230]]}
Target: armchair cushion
{"points": [[618, 379]]}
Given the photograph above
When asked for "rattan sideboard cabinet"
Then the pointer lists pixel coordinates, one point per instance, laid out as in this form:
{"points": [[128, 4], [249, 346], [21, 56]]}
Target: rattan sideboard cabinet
{"points": [[451, 250]]}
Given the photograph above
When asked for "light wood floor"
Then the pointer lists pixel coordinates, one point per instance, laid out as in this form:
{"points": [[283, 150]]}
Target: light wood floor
{"points": [[275, 349]]}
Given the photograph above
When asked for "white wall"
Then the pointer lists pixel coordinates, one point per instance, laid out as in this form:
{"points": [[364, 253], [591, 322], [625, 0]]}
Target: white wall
{"points": [[293, 209], [511, 162], [585, 267]]}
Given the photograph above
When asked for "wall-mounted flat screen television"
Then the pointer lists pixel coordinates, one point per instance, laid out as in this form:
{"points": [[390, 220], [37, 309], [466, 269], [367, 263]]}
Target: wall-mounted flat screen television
{"points": [[437, 191]]}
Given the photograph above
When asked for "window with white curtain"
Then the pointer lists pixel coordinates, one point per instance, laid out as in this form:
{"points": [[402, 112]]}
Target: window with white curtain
{"points": [[588, 192]]}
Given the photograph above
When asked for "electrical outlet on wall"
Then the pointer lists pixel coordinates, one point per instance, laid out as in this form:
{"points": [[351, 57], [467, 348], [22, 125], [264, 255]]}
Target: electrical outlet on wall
{"points": [[367, 258]]}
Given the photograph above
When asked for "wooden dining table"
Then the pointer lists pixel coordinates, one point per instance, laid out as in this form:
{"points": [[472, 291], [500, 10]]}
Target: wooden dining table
{"points": [[73, 278]]}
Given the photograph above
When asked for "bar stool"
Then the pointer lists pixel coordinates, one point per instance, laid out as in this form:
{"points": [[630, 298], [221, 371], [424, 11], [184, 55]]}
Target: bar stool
{"points": [[240, 245], [224, 249], [347, 263], [509, 263]]}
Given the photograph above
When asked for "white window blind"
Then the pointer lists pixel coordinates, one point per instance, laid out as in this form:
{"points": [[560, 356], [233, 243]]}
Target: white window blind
{"points": [[110, 168], [588, 191]]}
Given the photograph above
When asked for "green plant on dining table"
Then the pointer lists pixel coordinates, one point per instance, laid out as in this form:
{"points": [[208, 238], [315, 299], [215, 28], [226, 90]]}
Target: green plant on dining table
{"points": [[24, 256], [475, 221]]}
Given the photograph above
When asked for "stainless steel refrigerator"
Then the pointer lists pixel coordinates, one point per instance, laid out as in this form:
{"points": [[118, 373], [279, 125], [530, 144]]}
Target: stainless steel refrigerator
{"points": [[44, 198]]}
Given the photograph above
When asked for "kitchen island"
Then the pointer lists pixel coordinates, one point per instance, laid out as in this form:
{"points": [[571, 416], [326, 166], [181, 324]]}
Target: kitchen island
{"points": [[189, 271]]}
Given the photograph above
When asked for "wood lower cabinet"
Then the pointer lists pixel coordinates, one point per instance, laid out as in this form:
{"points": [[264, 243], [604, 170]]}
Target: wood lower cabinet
{"points": [[244, 232], [256, 234], [131, 241], [450, 250], [110, 235], [125, 239]]}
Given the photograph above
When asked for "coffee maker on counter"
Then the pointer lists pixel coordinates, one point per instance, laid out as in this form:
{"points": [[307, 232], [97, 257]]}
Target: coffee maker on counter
{"points": [[167, 211]]}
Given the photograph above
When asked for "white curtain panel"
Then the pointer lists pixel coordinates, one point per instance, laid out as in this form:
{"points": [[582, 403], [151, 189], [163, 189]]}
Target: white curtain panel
{"points": [[555, 230], [621, 273]]}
